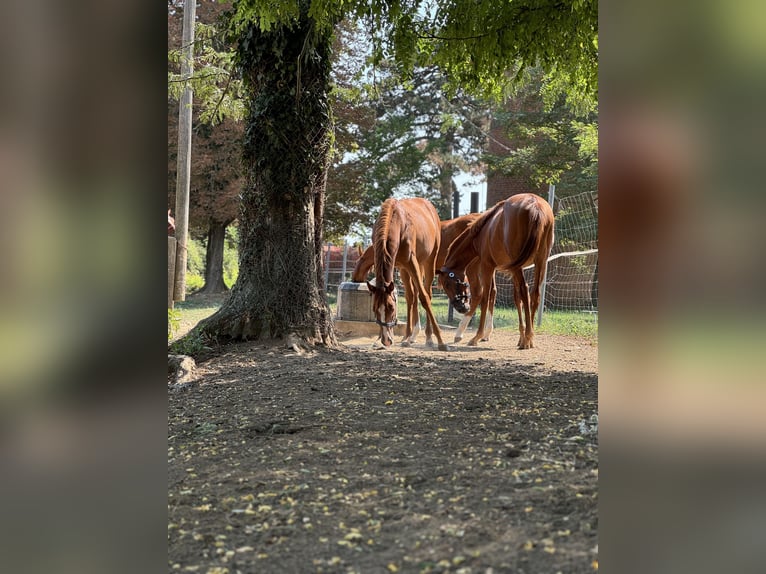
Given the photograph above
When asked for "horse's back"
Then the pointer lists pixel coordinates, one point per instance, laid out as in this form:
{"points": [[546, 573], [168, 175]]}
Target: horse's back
{"points": [[517, 231]]}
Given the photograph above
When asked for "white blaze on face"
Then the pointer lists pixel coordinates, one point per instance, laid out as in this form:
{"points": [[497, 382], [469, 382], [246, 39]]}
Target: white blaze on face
{"points": [[386, 333], [382, 313]]}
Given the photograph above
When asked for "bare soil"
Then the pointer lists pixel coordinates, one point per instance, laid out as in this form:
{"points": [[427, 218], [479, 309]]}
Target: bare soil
{"points": [[477, 460]]}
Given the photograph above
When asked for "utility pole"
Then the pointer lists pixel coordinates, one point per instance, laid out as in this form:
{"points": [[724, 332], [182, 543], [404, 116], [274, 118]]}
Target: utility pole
{"points": [[184, 151], [455, 213]]}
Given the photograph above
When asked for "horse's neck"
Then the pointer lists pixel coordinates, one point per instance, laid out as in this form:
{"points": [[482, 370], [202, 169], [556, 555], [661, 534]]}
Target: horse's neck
{"points": [[386, 249], [461, 252], [363, 266], [387, 263]]}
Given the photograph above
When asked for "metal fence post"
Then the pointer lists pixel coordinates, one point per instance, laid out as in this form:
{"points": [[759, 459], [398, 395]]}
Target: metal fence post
{"points": [[551, 199]]}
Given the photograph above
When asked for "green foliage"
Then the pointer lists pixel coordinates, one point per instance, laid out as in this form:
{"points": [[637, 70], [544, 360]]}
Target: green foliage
{"points": [[192, 344], [217, 88], [195, 257], [477, 44], [195, 265], [552, 142], [231, 256], [174, 321], [194, 282]]}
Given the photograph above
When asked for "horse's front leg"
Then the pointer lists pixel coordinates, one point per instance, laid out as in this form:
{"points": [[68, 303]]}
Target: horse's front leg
{"points": [[490, 324], [477, 289], [464, 322], [425, 301]]}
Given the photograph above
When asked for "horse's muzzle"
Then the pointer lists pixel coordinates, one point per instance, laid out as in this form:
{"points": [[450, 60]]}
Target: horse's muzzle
{"points": [[460, 305]]}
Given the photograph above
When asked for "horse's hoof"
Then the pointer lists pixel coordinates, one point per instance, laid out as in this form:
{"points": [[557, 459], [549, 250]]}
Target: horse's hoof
{"points": [[443, 347], [458, 339], [472, 343], [430, 344], [485, 339], [406, 343]]}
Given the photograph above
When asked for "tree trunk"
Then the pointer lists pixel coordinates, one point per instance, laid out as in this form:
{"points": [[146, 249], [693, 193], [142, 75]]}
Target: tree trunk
{"points": [[446, 183], [216, 239], [279, 292]]}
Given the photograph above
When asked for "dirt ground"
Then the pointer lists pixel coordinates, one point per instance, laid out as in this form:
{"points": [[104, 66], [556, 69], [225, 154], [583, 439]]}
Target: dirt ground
{"points": [[476, 460]]}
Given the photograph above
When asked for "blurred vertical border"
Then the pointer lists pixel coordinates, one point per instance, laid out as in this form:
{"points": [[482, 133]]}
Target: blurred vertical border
{"points": [[682, 334], [82, 180]]}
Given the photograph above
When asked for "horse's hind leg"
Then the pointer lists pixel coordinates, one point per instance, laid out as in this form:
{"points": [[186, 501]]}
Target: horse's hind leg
{"points": [[485, 273], [519, 305], [428, 279], [521, 295], [413, 321], [425, 300]]}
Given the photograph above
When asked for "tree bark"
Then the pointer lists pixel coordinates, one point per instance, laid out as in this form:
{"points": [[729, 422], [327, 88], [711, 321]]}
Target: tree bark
{"points": [[216, 240], [446, 183], [280, 292]]}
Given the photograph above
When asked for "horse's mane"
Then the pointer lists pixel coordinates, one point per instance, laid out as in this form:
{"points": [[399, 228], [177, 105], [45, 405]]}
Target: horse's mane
{"points": [[380, 238]]}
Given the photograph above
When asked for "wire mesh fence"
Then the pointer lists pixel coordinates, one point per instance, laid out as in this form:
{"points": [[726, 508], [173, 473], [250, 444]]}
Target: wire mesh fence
{"points": [[572, 276]]}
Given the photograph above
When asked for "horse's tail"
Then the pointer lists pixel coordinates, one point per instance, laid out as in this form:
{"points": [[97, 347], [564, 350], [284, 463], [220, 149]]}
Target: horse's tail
{"points": [[534, 239]]}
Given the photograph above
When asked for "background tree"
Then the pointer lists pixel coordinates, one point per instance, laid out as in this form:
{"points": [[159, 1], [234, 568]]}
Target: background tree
{"points": [[552, 142], [421, 137], [284, 49], [216, 175]]}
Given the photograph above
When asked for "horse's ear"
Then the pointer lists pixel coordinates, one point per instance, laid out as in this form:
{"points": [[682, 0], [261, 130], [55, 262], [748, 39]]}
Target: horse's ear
{"points": [[390, 287], [370, 287]]}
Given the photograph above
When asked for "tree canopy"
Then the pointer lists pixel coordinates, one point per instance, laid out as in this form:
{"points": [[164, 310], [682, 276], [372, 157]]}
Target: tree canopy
{"points": [[551, 144], [484, 47]]}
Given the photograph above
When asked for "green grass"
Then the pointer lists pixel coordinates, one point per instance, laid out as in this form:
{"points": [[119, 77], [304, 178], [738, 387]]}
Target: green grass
{"points": [[581, 324], [193, 310]]}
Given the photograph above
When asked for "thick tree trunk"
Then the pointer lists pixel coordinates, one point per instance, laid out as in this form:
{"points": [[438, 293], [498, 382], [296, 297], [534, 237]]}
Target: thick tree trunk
{"points": [[216, 239], [279, 292]]}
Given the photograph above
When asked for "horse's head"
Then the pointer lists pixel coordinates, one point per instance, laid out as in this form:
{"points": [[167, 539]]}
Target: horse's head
{"points": [[384, 305], [456, 289]]}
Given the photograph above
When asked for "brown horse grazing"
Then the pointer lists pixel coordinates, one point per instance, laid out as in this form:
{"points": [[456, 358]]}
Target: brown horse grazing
{"points": [[450, 230], [406, 235], [516, 232]]}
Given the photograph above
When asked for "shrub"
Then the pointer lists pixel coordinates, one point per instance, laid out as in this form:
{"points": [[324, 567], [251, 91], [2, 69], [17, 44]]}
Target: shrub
{"points": [[174, 320]]}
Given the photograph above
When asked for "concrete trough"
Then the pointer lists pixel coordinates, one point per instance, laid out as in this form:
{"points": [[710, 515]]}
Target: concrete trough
{"points": [[355, 316]]}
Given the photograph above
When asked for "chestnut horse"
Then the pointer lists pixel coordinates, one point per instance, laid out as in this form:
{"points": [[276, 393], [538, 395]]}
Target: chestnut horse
{"points": [[517, 231], [406, 235], [450, 229]]}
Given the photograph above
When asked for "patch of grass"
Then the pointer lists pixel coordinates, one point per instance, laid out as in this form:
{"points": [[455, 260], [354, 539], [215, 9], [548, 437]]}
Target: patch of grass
{"points": [[578, 323], [192, 344], [193, 310]]}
